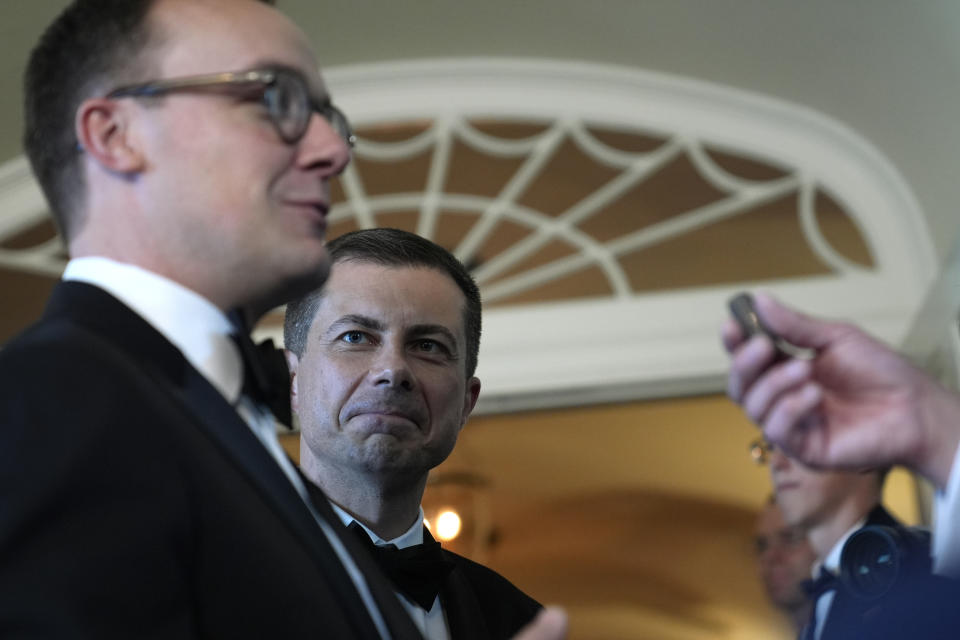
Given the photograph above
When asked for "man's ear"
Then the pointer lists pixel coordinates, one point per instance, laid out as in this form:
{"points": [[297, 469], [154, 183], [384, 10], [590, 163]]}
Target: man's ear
{"points": [[293, 362], [102, 128], [470, 396]]}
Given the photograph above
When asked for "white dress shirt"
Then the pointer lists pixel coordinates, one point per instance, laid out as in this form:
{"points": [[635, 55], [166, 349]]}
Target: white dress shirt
{"points": [[202, 332], [832, 564], [945, 545], [433, 623]]}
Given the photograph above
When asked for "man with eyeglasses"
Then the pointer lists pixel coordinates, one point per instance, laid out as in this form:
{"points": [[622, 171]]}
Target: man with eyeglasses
{"points": [[784, 561], [185, 148], [829, 506]]}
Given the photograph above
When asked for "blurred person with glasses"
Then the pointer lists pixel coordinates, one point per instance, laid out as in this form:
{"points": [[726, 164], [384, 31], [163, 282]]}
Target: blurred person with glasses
{"points": [[829, 506]]}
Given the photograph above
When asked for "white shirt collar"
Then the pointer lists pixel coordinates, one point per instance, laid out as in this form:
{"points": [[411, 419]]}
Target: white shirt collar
{"points": [[412, 536], [191, 322], [832, 561]]}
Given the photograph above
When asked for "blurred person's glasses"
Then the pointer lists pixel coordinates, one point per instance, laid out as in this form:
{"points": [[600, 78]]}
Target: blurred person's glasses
{"points": [[284, 93], [760, 451]]}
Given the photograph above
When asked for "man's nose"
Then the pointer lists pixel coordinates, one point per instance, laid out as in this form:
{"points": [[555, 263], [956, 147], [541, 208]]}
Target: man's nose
{"points": [[392, 370], [322, 148]]}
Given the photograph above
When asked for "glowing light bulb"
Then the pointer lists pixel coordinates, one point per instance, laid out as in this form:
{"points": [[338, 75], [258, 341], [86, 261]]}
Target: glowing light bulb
{"points": [[448, 525]]}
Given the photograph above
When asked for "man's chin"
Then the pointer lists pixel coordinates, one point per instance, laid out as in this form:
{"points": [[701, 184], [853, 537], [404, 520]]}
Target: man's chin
{"points": [[384, 454]]}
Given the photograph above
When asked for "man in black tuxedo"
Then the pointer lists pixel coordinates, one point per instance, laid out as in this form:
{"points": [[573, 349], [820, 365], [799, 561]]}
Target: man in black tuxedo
{"points": [[382, 362], [185, 149], [829, 506]]}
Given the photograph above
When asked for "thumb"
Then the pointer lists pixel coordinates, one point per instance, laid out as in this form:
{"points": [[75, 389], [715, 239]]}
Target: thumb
{"points": [[796, 328], [550, 624]]}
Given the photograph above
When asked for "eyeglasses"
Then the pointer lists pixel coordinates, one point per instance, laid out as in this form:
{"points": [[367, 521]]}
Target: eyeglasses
{"points": [[760, 451], [284, 92]]}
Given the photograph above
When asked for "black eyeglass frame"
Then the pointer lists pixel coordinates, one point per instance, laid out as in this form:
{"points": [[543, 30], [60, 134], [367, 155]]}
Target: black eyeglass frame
{"points": [[269, 79]]}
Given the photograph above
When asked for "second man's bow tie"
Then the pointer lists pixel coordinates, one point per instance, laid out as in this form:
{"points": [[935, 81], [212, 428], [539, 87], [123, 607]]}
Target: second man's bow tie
{"points": [[266, 377], [418, 572], [826, 581]]}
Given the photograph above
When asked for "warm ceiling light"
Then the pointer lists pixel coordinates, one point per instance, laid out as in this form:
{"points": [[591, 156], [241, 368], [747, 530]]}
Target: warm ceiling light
{"points": [[448, 525]]}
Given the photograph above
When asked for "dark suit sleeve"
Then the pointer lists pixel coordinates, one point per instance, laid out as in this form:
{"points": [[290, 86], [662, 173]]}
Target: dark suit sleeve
{"points": [[90, 519]]}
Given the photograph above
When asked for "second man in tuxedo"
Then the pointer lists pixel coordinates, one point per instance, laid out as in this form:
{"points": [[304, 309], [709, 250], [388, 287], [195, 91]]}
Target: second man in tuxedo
{"points": [[382, 362]]}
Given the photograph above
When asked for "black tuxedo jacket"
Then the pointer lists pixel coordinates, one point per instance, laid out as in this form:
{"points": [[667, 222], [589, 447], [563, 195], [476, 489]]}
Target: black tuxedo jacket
{"points": [[136, 503], [480, 603], [920, 605]]}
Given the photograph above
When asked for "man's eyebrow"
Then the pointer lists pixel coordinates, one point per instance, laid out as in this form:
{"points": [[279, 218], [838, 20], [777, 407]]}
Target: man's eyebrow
{"points": [[356, 320]]}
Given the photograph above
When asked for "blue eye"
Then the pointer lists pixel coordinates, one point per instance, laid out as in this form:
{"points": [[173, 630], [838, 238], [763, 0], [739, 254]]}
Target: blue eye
{"points": [[353, 337]]}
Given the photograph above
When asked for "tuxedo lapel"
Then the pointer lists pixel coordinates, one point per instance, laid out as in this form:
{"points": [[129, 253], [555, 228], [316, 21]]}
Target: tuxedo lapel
{"points": [[464, 615], [465, 618], [233, 436], [841, 617], [224, 425], [132, 337], [398, 621]]}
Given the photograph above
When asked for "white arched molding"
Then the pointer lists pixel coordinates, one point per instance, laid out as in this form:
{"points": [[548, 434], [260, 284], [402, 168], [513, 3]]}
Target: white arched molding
{"points": [[637, 346], [626, 346]]}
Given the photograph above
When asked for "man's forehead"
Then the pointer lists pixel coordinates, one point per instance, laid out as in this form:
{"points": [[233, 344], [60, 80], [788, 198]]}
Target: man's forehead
{"points": [[411, 295], [212, 36]]}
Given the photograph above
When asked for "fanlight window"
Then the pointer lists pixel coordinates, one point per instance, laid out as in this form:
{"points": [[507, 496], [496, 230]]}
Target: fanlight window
{"points": [[565, 210]]}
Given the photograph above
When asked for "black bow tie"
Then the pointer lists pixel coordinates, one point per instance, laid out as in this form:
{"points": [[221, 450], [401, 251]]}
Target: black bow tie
{"points": [[417, 572], [826, 581], [266, 378]]}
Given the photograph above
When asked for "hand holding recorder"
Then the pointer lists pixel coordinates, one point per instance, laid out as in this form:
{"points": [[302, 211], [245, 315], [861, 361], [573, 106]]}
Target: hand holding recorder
{"points": [[832, 396]]}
